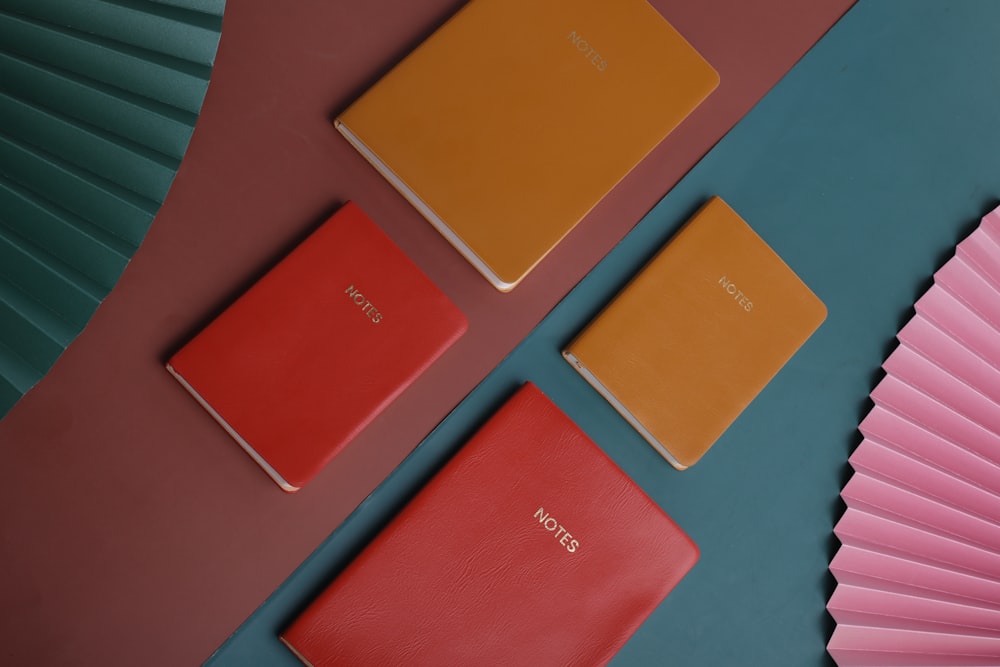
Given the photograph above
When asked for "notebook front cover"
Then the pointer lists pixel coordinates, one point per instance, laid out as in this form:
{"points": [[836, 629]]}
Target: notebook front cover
{"points": [[530, 547], [303, 361], [517, 116], [698, 332]]}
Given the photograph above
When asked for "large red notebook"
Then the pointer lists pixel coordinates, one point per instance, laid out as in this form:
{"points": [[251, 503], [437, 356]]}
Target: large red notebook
{"points": [[317, 348], [530, 547]]}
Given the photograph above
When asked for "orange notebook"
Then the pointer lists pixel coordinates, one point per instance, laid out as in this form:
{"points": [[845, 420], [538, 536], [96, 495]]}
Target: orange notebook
{"points": [[509, 123], [696, 335]]}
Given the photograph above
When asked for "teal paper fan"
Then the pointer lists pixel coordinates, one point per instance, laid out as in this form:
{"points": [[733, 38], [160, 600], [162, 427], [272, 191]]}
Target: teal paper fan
{"points": [[98, 100]]}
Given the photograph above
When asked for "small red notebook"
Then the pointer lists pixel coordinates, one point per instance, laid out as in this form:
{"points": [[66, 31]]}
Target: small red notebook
{"points": [[530, 547], [315, 350]]}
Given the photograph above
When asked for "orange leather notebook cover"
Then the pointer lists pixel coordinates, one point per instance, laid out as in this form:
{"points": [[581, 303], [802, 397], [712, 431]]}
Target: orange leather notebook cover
{"points": [[509, 123], [696, 335]]}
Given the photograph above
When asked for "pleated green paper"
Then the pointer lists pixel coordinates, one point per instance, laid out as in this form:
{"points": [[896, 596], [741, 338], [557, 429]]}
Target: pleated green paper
{"points": [[98, 100]]}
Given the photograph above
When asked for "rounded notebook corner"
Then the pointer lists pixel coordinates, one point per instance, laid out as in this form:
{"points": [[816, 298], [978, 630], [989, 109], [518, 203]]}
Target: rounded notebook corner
{"points": [[671, 459], [502, 285]]}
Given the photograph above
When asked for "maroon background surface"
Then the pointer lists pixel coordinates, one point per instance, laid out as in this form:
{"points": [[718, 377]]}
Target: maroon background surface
{"points": [[132, 528]]}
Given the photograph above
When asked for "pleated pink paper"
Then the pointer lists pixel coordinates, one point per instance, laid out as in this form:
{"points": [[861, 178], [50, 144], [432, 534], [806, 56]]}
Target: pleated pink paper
{"points": [[918, 572]]}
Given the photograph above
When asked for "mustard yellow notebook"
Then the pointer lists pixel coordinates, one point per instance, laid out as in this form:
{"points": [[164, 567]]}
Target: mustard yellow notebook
{"points": [[509, 123], [696, 335]]}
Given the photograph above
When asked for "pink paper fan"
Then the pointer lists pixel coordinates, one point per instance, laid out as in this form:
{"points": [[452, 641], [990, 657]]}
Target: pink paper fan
{"points": [[918, 572]]}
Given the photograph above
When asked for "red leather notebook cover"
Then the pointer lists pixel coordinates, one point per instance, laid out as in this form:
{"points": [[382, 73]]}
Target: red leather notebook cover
{"points": [[530, 547], [316, 349]]}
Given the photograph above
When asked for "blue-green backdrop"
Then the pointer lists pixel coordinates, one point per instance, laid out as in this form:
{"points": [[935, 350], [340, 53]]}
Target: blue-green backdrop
{"points": [[862, 168]]}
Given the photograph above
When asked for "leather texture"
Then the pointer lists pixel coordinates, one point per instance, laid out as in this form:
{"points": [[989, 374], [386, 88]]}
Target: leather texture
{"points": [[517, 116], [317, 348], [699, 331], [470, 572]]}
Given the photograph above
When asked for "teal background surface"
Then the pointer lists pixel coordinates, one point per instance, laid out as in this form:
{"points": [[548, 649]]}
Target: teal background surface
{"points": [[864, 166]]}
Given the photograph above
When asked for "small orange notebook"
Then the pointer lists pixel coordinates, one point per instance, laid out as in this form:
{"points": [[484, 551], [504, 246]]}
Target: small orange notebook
{"points": [[696, 335], [509, 123]]}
